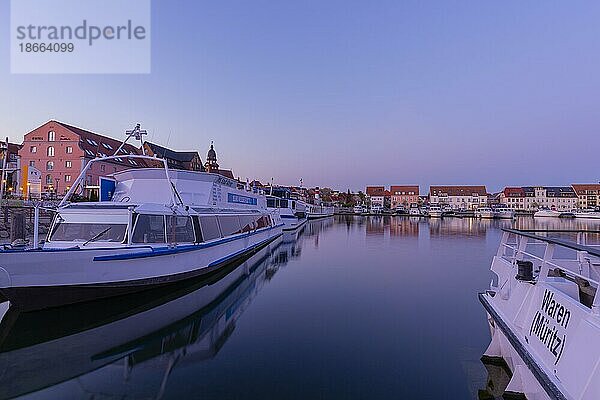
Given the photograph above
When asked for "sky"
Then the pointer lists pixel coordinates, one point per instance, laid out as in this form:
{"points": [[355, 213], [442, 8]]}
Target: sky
{"points": [[347, 94]]}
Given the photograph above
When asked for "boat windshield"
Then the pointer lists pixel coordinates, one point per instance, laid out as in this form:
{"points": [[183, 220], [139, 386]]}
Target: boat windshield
{"points": [[83, 232]]}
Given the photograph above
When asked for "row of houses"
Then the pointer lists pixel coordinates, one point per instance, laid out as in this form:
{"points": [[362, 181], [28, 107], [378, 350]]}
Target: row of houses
{"points": [[54, 154], [470, 197]]}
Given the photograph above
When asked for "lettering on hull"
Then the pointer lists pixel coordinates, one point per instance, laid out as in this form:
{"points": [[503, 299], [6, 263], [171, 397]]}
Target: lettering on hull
{"points": [[550, 323]]}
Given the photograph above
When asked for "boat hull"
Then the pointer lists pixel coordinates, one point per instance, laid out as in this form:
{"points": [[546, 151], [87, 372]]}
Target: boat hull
{"points": [[45, 279]]}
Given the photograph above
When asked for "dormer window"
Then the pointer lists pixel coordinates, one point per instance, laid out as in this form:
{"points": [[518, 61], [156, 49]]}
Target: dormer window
{"points": [[108, 146]]}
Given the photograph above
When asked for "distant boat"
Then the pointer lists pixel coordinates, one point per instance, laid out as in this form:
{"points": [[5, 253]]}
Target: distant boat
{"points": [[414, 210], [587, 214], [291, 211], [503, 212], [435, 211], [484, 212], [314, 211], [546, 213]]}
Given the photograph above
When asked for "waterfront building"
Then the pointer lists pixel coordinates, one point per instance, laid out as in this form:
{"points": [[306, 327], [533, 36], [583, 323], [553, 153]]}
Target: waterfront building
{"points": [[187, 160], [532, 198], [513, 198], [12, 167], [404, 195], [61, 151], [376, 195], [588, 194], [459, 197]]}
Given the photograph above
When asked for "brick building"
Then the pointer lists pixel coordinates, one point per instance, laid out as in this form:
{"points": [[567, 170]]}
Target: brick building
{"points": [[60, 152]]}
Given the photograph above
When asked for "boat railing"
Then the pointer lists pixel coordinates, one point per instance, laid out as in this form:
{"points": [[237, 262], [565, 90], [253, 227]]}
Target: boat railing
{"points": [[539, 248]]}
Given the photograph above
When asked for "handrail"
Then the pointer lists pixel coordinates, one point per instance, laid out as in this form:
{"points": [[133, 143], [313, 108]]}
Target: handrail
{"points": [[560, 242], [554, 264], [174, 194]]}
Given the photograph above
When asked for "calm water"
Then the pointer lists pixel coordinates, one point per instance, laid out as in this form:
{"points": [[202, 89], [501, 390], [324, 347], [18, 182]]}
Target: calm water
{"points": [[351, 308]]}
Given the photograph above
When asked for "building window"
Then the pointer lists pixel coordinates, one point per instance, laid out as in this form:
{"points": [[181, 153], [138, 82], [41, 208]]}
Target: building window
{"points": [[68, 164], [51, 136], [48, 179], [49, 166], [32, 163], [69, 149], [67, 178], [33, 149], [50, 151], [102, 167]]}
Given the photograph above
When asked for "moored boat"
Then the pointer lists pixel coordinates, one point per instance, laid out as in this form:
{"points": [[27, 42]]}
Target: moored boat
{"points": [[503, 212], [292, 211], [435, 211], [587, 214], [484, 212], [546, 213], [314, 211], [542, 309], [152, 226]]}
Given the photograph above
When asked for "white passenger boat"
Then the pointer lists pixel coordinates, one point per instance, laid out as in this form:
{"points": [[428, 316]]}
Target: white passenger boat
{"points": [[587, 214], [153, 226], [314, 211], [503, 212], [357, 210], [291, 211], [435, 211], [543, 310], [546, 213], [484, 212]]}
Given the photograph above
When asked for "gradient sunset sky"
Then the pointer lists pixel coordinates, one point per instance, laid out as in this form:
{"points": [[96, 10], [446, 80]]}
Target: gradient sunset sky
{"points": [[346, 94]]}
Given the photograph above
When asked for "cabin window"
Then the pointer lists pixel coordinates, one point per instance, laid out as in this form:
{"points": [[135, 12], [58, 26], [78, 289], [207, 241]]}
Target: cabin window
{"points": [[180, 229], [230, 225], [149, 229], [271, 203], [283, 203], [263, 222], [82, 232], [248, 222], [210, 228]]}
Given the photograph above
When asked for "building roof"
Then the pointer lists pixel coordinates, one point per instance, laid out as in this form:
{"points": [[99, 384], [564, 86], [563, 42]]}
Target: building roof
{"points": [[458, 190], [404, 189], [514, 192], [560, 191], [96, 145], [583, 188], [375, 190], [181, 156], [225, 172]]}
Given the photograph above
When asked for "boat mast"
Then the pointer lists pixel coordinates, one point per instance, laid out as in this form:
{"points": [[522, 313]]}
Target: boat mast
{"points": [[138, 133]]}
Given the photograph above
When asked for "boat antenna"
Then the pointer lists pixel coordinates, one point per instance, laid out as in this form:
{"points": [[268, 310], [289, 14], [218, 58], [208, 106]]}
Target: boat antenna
{"points": [[271, 187], [136, 132]]}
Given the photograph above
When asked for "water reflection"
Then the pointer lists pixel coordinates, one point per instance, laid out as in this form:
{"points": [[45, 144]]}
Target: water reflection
{"points": [[352, 307], [128, 347]]}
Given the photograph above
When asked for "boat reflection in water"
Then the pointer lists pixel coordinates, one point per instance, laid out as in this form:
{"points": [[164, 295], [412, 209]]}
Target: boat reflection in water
{"points": [[127, 347]]}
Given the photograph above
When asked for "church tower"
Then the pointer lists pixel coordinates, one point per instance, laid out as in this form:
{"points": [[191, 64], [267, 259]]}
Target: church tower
{"points": [[211, 164]]}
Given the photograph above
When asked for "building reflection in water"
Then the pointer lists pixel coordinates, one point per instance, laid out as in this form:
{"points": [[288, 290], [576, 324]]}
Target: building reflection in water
{"points": [[127, 347]]}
